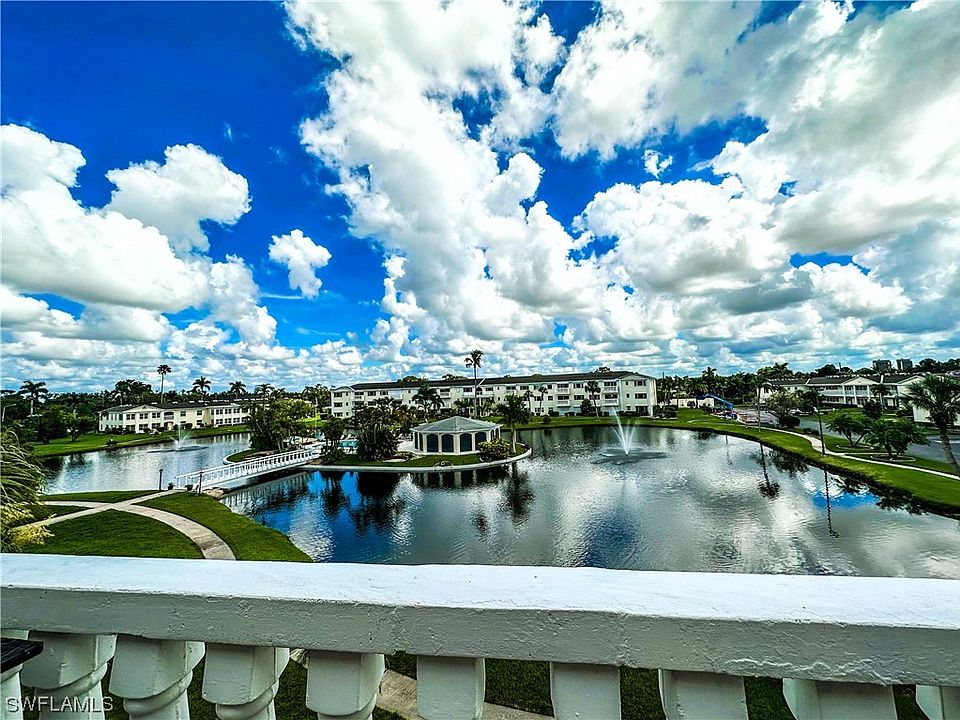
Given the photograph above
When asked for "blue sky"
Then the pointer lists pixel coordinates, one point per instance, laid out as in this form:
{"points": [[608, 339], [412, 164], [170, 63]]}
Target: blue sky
{"points": [[562, 185]]}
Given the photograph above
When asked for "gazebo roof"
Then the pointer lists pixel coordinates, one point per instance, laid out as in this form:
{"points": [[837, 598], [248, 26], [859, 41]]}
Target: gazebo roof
{"points": [[456, 424]]}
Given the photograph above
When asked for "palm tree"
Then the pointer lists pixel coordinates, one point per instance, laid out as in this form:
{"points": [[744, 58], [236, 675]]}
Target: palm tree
{"points": [[237, 387], [528, 396], [201, 385], [163, 371], [939, 397], [36, 391], [593, 390], [427, 397], [761, 383], [513, 410], [263, 389], [709, 377], [894, 436], [542, 391], [474, 360], [848, 424], [20, 485], [880, 392]]}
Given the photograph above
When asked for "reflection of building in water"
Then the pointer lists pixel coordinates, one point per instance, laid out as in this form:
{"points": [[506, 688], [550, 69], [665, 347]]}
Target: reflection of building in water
{"points": [[269, 494]]}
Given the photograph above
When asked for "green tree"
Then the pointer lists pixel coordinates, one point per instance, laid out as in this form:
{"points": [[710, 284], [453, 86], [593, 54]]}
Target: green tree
{"points": [[201, 385], [376, 441], [781, 403], [474, 360], [263, 389], [761, 384], [333, 432], [513, 410], [849, 424], [427, 398], [20, 484], [35, 391], [163, 371], [881, 392], [709, 377], [873, 410], [894, 436], [237, 387], [939, 397], [273, 423], [593, 391]]}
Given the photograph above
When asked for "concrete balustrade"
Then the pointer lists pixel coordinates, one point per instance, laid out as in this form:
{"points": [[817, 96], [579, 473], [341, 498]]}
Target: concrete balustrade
{"points": [[840, 642]]}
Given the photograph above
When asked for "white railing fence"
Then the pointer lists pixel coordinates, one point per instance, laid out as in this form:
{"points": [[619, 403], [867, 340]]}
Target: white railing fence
{"points": [[841, 641], [248, 468]]}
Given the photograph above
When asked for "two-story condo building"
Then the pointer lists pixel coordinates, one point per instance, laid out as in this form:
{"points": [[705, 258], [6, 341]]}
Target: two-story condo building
{"points": [[849, 390], [563, 394], [150, 417]]}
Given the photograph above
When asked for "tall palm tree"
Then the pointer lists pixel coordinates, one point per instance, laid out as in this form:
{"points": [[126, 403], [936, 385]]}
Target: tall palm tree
{"points": [[36, 391], [201, 385], [542, 392], [263, 389], [939, 397], [163, 371], [761, 383], [513, 411], [474, 360], [593, 390], [709, 377], [426, 397], [880, 392], [237, 387], [528, 396]]}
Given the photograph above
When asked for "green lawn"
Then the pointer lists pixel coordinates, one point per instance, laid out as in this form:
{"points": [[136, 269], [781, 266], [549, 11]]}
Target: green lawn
{"points": [[248, 540], [117, 534], [96, 441], [240, 456]]}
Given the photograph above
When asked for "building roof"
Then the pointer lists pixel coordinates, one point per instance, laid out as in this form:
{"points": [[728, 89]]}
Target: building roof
{"points": [[884, 379], [502, 380], [456, 424], [172, 406]]}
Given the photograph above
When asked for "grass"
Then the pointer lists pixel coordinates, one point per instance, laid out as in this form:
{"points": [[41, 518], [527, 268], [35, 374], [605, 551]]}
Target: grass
{"points": [[116, 534], [240, 456], [248, 539], [108, 496], [908, 484], [96, 441]]}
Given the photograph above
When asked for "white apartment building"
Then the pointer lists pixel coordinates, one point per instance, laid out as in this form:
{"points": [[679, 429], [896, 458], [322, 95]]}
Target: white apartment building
{"points": [[848, 390], [623, 391], [151, 417]]}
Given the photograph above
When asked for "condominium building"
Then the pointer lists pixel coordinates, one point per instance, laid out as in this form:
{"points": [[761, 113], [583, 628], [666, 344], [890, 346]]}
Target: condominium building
{"points": [[150, 417], [563, 394], [849, 390]]}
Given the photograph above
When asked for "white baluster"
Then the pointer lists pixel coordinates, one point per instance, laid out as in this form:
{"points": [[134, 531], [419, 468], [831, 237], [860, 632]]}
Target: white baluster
{"points": [[343, 685], [702, 696], [242, 681], [818, 700], [10, 684], [70, 669], [450, 687], [153, 676], [585, 692], [939, 702]]}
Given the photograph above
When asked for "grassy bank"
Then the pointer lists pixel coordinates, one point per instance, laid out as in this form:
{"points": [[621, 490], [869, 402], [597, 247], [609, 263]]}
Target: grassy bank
{"points": [[248, 540], [350, 459], [904, 482], [96, 441], [106, 496]]}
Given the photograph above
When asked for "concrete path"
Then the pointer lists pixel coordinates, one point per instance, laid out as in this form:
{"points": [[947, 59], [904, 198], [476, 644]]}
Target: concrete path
{"points": [[211, 545], [815, 442]]}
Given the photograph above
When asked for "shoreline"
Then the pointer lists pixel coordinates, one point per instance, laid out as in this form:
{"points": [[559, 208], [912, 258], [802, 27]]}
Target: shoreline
{"points": [[63, 447]]}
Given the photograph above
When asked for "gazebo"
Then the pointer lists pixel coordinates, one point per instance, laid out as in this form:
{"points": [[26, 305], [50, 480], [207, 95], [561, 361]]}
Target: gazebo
{"points": [[453, 435]]}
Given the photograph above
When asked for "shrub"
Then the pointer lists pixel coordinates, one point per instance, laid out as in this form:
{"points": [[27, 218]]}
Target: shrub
{"points": [[332, 456], [498, 449], [789, 421], [546, 419]]}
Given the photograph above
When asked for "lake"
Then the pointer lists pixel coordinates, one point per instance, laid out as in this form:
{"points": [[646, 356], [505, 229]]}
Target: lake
{"points": [[694, 501]]}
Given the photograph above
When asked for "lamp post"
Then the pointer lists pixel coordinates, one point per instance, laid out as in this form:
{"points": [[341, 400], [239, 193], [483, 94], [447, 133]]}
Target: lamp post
{"points": [[816, 404], [199, 482], [161, 479]]}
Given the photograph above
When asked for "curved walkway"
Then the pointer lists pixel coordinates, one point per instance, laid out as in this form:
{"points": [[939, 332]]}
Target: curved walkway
{"points": [[815, 442], [211, 545]]}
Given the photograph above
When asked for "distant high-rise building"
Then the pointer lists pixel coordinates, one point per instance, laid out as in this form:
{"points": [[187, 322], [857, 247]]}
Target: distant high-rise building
{"points": [[882, 366], [904, 365]]}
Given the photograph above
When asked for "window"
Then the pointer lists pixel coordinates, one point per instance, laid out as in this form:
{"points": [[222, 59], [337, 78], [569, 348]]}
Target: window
{"points": [[432, 443], [578, 385], [446, 442], [155, 415], [143, 416], [480, 437], [183, 413], [465, 445], [609, 383]]}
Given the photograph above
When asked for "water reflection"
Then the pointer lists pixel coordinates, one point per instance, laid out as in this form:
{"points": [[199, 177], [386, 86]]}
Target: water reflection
{"points": [[695, 508]]}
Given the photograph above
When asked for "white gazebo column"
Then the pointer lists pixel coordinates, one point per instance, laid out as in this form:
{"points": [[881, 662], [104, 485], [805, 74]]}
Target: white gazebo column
{"points": [[585, 691], [153, 676], [343, 685], [702, 696], [819, 700], [70, 668], [242, 680], [450, 687], [939, 702], [10, 684]]}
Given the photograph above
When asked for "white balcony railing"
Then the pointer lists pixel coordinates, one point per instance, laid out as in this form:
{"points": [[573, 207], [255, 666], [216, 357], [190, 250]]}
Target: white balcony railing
{"points": [[841, 641]]}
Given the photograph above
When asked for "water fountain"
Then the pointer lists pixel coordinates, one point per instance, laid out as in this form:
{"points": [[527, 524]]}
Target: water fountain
{"points": [[178, 446], [626, 454]]}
